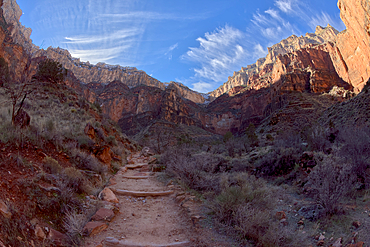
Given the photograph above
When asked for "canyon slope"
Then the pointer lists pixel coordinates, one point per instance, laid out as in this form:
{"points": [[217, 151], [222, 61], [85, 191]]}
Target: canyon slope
{"points": [[313, 64]]}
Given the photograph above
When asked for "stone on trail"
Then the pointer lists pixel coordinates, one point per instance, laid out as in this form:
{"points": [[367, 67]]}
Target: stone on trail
{"points": [[103, 214], [57, 237], [4, 210], [39, 232], [94, 227], [108, 195]]}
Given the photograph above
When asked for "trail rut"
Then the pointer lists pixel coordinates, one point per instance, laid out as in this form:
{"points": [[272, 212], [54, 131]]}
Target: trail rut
{"points": [[149, 214]]}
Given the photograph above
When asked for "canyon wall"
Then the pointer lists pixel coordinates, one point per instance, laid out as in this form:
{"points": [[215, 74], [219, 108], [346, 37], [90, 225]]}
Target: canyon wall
{"points": [[291, 44], [351, 53]]}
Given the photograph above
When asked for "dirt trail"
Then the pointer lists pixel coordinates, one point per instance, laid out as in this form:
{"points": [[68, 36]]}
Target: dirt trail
{"points": [[144, 220]]}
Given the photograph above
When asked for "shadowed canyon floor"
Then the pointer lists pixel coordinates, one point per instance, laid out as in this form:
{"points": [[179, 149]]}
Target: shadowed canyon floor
{"points": [[150, 213]]}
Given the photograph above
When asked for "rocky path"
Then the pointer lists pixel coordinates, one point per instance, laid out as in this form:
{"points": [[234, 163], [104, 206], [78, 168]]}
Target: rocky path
{"points": [[149, 213]]}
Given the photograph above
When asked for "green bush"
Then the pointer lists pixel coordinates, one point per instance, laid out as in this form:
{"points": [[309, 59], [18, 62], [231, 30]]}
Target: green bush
{"points": [[52, 166], [50, 71]]}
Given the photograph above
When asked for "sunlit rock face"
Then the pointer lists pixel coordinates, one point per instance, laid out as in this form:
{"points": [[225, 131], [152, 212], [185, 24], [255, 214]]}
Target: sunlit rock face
{"points": [[351, 53], [104, 73], [264, 65]]}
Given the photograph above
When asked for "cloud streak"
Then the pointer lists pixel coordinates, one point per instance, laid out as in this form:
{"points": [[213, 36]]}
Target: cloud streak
{"points": [[218, 54]]}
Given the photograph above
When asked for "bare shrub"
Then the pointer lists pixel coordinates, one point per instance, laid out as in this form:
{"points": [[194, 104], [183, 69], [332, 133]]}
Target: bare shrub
{"points": [[238, 190], [279, 161], [52, 166], [74, 179], [317, 138], [197, 171], [356, 150], [330, 182], [73, 223], [87, 161]]}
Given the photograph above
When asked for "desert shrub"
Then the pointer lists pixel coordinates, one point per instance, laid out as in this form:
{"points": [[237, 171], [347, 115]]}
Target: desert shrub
{"points": [[276, 162], [52, 166], [111, 140], [50, 71], [288, 139], [251, 137], [235, 146], [318, 139], [75, 180], [329, 183], [228, 136], [73, 223], [355, 149], [218, 149], [86, 161], [257, 225], [195, 171]]}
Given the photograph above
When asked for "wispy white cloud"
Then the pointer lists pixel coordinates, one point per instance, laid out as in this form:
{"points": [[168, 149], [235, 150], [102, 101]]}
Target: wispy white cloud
{"points": [[170, 49], [152, 16], [99, 55], [218, 54], [323, 19], [202, 87], [259, 51], [285, 5], [90, 39]]}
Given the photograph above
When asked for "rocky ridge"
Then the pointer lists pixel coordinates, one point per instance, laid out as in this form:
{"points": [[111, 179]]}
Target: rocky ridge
{"points": [[103, 73], [293, 43]]}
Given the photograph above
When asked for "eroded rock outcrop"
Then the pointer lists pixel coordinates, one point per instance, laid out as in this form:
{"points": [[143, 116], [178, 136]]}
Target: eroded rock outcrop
{"points": [[351, 53], [291, 44], [103, 73]]}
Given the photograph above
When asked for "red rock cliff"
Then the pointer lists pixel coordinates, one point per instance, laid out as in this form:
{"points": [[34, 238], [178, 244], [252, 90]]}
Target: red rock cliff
{"points": [[351, 53]]}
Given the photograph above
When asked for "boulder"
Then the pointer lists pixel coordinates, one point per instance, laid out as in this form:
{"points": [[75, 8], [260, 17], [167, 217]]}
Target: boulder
{"points": [[104, 155], [94, 227], [89, 131], [108, 195], [103, 214]]}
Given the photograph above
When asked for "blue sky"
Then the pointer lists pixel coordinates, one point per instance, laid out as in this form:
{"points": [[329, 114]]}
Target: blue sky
{"points": [[196, 42]]}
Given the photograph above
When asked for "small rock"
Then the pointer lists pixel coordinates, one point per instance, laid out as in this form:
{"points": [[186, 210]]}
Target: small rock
{"points": [[300, 222], [108, 195], [356, 224], [103, 214], [338, 243], [4, 210], [359, 244], [39, 232], [322, 237], [320, 243], [94, 227], [280, 215], [180, 199], [57, 237], [283, 222]]}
